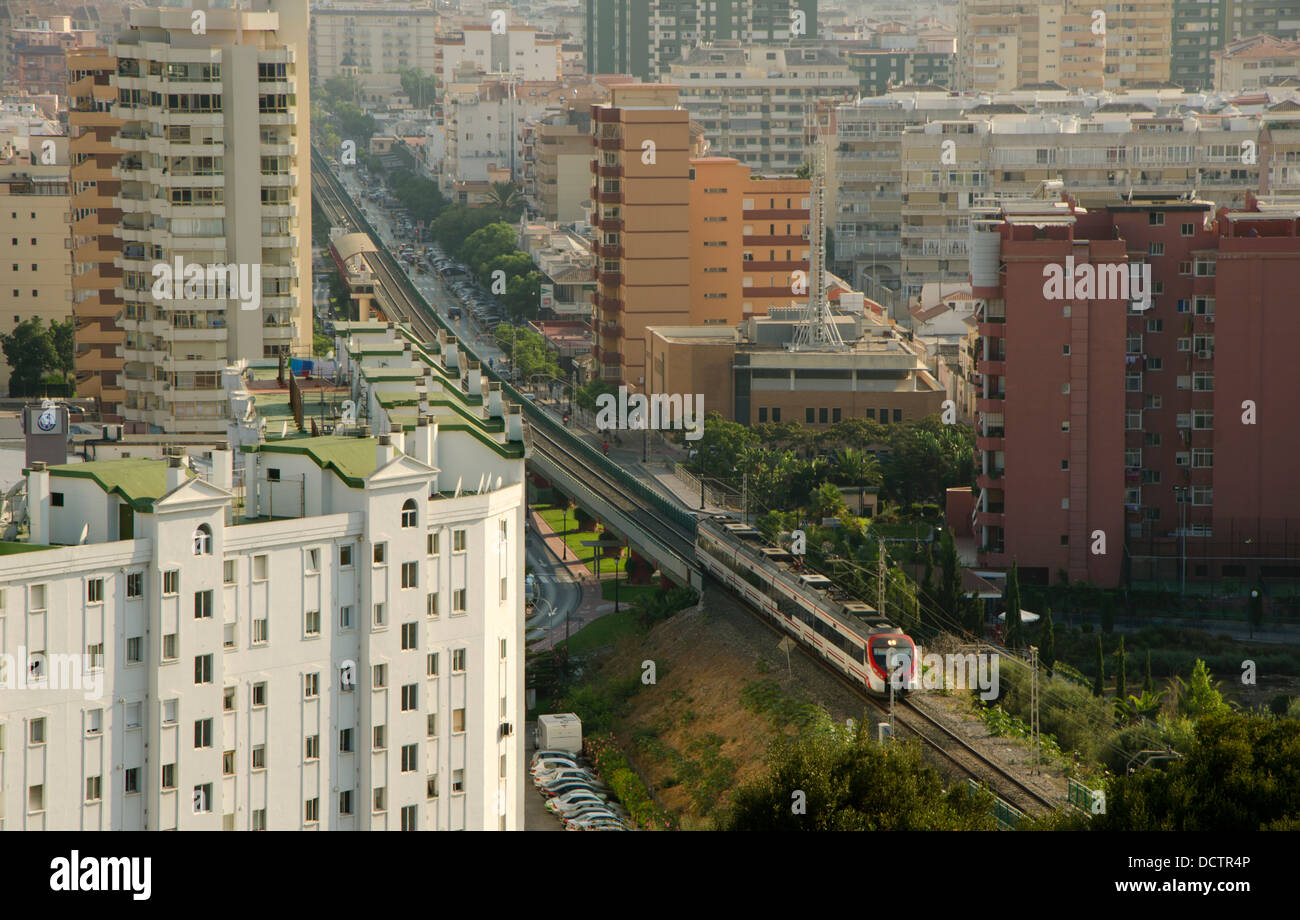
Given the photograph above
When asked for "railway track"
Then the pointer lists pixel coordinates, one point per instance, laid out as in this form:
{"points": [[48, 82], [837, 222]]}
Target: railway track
{"points": [[934, 734]]}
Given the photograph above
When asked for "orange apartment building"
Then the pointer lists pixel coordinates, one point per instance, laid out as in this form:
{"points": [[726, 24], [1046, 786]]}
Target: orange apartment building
{"points": [[94, 185], [641, 212]]}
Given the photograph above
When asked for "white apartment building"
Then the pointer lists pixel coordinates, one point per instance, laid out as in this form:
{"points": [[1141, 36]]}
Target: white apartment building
{"points": [[756, 103], [215, 171], [373, 42], [342, 651], [519, 50]]}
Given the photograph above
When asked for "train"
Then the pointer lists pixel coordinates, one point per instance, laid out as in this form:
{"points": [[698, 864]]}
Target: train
{"points": [[849, 634]]}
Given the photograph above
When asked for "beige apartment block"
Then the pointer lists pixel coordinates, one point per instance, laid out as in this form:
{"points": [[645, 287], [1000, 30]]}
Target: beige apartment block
{"points": [[374, 42], [559, 180], [215, 172], [35, 276], [95, 183], [1256, 63]]}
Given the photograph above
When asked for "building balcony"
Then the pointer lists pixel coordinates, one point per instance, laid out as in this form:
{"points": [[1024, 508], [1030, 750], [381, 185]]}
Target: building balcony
{"points": [[606, 197], [610, 279], [990, 518], [611, 331], [777, 266], [993, 479], [609, 252], [993, 326], [91, 171], [754, 240], [607, 143], [607, 172], [610, 224], [993, 368], [993, 403], [98, 359], [990, 442], [94, 333], [93, 119], [607, 304]]}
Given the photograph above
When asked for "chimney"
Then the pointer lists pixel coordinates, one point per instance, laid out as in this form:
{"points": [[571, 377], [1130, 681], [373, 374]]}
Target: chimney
{"points": [[38, 503], [514, 424], [363, 431], [422, 438], [451, 355], [494, 400], [385, 451], [223, 471], [175, 472], [475, 379]]}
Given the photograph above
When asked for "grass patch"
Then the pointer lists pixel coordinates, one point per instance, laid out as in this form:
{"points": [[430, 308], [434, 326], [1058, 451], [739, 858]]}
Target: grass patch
{"points": [[627, 594], [556, 519], [602, 632]]}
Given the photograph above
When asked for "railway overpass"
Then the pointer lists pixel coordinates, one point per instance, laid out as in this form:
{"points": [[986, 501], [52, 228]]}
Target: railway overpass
{"points": [[656, 527]]}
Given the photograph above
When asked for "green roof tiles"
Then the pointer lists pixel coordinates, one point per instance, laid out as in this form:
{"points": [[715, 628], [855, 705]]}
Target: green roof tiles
{"points": [[138, 481], [353, 459]]}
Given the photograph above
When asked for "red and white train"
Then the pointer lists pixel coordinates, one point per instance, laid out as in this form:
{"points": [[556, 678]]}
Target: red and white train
{"points": [[865, 647]]}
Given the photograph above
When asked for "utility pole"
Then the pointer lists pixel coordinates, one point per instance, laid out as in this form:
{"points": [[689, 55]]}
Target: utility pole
{"points": [[881, 573], [1033, 703]]}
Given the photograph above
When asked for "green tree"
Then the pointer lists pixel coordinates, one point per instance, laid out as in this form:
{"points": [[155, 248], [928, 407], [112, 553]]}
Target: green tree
{"points": [[1098, 684], [63, 338], [421, 88], [927, 581], [721, 447], [321, 345], [1200, 696], [829, 780], [1121, 672], [485, 244], [950, 593], [523, 294], [504, 196], [1148, 685], [31, 354], [1011, 601], [1238, 774], [1048, 655]]}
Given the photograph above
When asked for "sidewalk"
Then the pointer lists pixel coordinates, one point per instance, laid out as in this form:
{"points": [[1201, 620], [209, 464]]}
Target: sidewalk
{"points": [[559, 549]]}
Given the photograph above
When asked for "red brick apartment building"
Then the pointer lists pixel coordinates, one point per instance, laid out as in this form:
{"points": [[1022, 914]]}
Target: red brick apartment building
{"points": [[1171, 431]]}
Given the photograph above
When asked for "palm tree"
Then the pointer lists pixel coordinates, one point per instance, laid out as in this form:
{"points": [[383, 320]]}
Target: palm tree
{"points": [[855, 467], [504, 196]]}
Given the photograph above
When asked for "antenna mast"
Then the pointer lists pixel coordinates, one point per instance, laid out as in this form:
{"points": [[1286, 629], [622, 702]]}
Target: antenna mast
{"points": [[817, 328]]}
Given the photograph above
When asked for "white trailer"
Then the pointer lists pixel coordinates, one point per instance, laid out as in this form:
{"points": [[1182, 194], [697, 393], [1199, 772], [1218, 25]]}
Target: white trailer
{"points": [[559, 732]]}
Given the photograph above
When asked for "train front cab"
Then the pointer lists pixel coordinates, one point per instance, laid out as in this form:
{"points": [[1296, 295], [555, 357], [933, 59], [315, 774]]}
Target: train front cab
{"points": [[894, 653]]}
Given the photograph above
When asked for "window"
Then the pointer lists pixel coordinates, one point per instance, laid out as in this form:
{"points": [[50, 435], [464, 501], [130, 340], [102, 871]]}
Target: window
{"points": [[228, 700], [259, 819], [379, 614], [431, 664], [230, 571], [36, 731], [431, 725], [202, 669], [228, 763], [431, 542], [1202, 496], [431, 786], [135, 584], [410, 818], [503, 650], [410, 575], [458, 660], [458, 600], [311, 811], [259, 757], [95, 591], [95, 653], [172, 582], [169, 776], [1202, 458], [131, 780], [458, 541], [313, 560], [260, 566], [260, 631], [311, 685], [1187, 230], [169, 650], [409, 698], [1155, 219], [345, 555], [1203, 382], [457, 720], [409, 516], [203, 540], [1155, 364], [1202, 420], [312, 748], [431, 604], [202, 605], [203, 733], [93, 788], [409, 636], [381, 799], [135, 649], [380, 737], [409, 758], [345, 802], [134, 715], [345, 741], [379, 553], [311, 623], [457, 780], [1155, 249], [1155, 325], [259, 694]]}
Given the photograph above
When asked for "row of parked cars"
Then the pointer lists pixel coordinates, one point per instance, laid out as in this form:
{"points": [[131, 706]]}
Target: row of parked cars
{"points": [[574, 793]]}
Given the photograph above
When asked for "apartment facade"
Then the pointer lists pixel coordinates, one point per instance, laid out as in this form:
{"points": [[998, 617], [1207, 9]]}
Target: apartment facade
{"points": [[1255, 63], [1164, 447], [94, 184], [755, 103], [520, 50], [35, 276], [643, 39], [374, 42], [351, 663], [214, 136], [559, 176], [641, 198], [879, 71]]}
